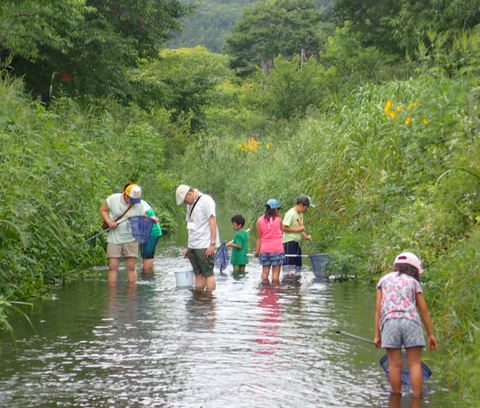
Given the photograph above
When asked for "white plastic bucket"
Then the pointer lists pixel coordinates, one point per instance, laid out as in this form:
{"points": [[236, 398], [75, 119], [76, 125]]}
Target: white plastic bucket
{"points": [[184, 278]]}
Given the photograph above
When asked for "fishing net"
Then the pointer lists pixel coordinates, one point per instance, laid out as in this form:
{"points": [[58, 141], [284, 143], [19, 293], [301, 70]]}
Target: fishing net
{"points": [[141, 227], [320, 264], [221, 257], [426, 372]]}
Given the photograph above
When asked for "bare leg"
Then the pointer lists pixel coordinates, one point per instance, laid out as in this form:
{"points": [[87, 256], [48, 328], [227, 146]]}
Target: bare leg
{"points": [[395, 369], [148, 265], [276, 274], [112, 269], [265, 273], [395, 400], [414, 360], [200, 282], [130, 263], [210, 283]]}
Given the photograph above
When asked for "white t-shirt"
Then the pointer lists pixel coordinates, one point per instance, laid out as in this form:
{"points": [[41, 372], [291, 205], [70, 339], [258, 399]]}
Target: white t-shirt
{"points": [[198, 224], [117, 206]]}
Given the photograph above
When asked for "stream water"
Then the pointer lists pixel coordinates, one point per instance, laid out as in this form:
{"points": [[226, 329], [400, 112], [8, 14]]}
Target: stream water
{"points": [[153, 345]]}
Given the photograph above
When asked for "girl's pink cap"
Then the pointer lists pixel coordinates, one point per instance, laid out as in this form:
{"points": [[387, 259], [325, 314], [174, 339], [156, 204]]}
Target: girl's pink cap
{"points": [[411, 259]]}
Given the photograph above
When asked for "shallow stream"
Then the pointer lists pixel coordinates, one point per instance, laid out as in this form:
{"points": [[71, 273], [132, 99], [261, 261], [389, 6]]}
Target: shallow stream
{"points": [[153, 345]]}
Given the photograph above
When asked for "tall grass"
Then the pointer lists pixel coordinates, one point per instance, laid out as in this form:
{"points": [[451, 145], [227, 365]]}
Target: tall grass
{"points": [[58, 166]]}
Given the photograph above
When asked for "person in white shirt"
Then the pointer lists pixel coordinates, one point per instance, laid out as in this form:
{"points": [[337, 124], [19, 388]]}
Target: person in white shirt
{"points": [[115, 211], [203, 235]]}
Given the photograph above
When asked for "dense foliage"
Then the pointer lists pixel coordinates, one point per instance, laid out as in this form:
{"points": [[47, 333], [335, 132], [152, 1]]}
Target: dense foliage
{"points": [[386, 145], [84, 47]]}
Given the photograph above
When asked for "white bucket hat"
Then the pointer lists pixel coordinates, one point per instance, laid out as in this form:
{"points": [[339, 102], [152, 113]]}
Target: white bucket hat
{"points": [[181, 192]]}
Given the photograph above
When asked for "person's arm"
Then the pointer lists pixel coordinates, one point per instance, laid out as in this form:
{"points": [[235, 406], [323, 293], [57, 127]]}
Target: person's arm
{"points": [[378, 305], [213, 236], [287, 228], [233, 245], [104, 214], [259, 238], [422, 308]]}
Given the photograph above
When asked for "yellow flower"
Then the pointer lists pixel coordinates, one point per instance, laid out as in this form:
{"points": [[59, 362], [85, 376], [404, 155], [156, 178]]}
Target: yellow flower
{"points": [[388, 105], [392, 114], [399, 108], [425, 121], [410, 106], [407, 121]]}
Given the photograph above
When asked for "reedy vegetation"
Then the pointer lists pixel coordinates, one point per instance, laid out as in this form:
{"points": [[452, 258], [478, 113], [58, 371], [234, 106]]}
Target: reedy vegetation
{"points": [[391, 167]]}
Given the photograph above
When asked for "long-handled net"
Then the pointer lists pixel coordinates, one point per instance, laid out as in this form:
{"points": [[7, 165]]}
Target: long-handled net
{"points": [[141, 227], [426, 372], [320, 264], [222, 258]]}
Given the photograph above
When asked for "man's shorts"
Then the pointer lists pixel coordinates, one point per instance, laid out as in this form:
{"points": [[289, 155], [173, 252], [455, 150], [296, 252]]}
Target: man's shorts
{"points": [[272, 259], [128, 250], [292, 248], [402, 332], [200, 263]]}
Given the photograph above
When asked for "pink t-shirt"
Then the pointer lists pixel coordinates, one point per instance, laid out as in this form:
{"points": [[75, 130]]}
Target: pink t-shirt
{"points": [[271, 235], [399, 297]]}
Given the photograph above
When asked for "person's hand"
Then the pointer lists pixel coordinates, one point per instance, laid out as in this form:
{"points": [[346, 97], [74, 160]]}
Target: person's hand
{"points": [[112, 224], [377, 342], [155, 219], [185, 254], [210, 251], [257, 254], [432, 343], [308, 237]]}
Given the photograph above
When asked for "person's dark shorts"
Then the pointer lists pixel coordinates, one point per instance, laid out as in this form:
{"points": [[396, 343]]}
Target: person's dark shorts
{"points": [[200, 263], [147, 249], [292, 248], [272, 259], [402, 332]]}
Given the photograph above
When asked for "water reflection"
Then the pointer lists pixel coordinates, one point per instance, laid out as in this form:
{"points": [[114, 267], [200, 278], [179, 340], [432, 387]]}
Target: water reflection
{"points": [[201, 311], [399, 401], [121, 308], [269, 319]]}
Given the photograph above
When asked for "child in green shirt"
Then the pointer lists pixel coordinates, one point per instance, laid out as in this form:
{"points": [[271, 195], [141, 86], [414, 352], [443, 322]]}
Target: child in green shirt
{"points": [[239, 245]]}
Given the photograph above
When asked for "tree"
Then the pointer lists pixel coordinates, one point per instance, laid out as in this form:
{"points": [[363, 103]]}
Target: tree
{"points": [[181, 81], [84, 47], [398, 26], [271, 28], [292, 87]]}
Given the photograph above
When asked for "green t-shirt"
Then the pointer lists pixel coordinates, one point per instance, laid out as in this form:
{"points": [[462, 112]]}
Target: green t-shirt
{"points": [[156, 229], [239, 256], [292, 219]]}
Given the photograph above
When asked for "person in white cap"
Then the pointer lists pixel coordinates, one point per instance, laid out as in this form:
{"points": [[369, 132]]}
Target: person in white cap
{"points": [[116, 209], [397, 321], [203, 235]]}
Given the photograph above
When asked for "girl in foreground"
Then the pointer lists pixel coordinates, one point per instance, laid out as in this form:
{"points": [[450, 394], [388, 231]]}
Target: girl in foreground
{"points": [[397, 321]]}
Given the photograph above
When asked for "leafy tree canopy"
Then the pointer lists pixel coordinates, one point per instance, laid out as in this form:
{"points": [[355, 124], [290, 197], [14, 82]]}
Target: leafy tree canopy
{"points": [[271, 28], [181, 81], [398, 26], [84, 46]]}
